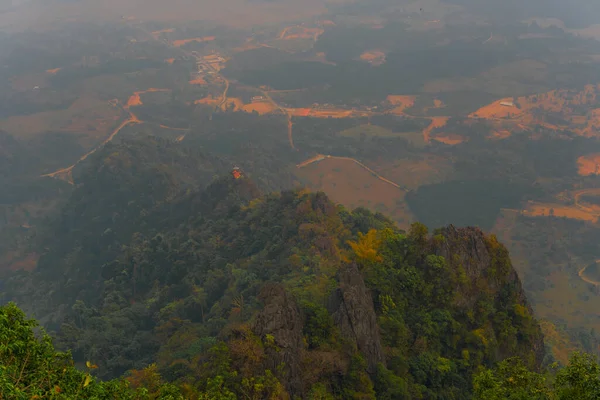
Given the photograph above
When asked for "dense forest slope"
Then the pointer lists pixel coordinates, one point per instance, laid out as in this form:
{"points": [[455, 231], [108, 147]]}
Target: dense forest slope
{"points": [[281, 295]]}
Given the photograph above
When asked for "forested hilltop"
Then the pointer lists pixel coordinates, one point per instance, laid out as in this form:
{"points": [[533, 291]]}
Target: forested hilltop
{"points": [[159, 271]]}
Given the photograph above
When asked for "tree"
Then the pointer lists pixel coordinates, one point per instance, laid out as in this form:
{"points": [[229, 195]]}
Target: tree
{"points": [[511, 380], [580, 379], [30, 368]]}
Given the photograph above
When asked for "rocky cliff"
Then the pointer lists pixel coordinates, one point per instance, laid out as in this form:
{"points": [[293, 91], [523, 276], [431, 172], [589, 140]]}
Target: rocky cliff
{"points": [[489, 272], [351, 307], [280, 318]]}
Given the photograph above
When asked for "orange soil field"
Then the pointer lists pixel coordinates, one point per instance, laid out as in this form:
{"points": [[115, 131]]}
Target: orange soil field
{"points": [[135, 100], [543, 210], [198, 81], [297, 32], [495, 110], [403, 103], [398, 100], [299, 112], [261, 108], [346, 182], [589, 165], [371, 55], [157, 33], [451, 139], [179, 43], [53, 71], [208, 100], [170, 60], [436, 122], [333, 113], [562, 101], [374, 57], [499, 135], [437, 103]]}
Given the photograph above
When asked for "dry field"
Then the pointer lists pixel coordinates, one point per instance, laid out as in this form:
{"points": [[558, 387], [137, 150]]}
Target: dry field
{"points": [[262, 107], [589, 165], [300, 32], [182, 42], [451, 139], [535, 209], [563, 102], [402, 103], [373, 57], [135, 99], [348, 183], [436, 122], [197, 81], [500, 134], [208, 100], [299, 112], [156, 34], [414, 173], [87, 117], [320, 113]]}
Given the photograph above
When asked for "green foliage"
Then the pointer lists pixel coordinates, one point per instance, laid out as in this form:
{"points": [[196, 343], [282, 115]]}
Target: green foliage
{"points": [[318, 328], [30, 368], [580, 379], [510, 380]]}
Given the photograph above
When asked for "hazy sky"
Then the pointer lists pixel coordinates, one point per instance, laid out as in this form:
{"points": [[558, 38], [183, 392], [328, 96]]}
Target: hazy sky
{"points": [[44, 14]]}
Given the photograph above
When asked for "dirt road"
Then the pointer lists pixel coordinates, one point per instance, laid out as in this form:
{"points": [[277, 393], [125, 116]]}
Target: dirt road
{"points": [[577, 195], [289, 117], [66, 173], [585, 278], [224, 95]]}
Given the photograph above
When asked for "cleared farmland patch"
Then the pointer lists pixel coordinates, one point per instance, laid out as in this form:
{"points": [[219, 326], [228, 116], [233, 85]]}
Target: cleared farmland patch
{"points": [[535, 209], [183, 42], [260, 107], [374, 57], [450, 139], [348, 183], [436, 122], [365, 130], [87, 118], [589, 164], [412, 173], [401, 103]]}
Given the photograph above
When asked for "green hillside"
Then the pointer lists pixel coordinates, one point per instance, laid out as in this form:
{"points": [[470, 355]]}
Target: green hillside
{"points": [[284, 295]]}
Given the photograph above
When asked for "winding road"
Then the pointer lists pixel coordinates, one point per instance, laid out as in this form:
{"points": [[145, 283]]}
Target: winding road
{"points": [[66, 173], [289, 118], [585, 278]]}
